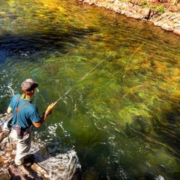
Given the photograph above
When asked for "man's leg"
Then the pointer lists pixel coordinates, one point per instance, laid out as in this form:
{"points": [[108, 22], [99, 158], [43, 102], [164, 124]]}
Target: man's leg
{"points": [[22, 148]]}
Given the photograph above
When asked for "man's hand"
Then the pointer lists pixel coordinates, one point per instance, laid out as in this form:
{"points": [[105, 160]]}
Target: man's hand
{"points": [[50, 108]]}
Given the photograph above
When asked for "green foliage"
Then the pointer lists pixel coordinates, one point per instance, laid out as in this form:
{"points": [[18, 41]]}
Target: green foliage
{"points": [[159, 9]]}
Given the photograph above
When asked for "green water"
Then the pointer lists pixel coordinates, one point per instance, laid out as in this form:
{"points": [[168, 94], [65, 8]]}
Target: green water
{"points": [[123, 118]]}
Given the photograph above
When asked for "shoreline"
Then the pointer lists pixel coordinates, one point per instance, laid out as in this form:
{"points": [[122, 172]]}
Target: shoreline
{"points": [[165, 15]]}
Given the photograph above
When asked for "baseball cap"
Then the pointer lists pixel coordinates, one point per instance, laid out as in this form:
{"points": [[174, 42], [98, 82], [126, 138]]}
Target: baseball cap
{"points": [[28, 85]]}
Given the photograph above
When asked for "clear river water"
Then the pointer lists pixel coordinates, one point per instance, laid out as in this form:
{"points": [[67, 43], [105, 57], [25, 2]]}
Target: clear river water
{"points": [[121, 112]]}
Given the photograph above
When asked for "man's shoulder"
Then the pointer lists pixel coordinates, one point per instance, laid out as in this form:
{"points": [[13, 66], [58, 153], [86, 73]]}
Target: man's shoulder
{"points": [[31, 106], [30, 109], [16, 95], [15, 98]]}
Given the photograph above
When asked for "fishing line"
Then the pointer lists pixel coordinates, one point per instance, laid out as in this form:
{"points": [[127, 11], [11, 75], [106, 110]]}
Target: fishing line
{"points": [[81, 79], [124, 75]]}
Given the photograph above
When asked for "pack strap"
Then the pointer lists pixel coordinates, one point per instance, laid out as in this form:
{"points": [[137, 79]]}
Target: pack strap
{"points": [[18, 109]]}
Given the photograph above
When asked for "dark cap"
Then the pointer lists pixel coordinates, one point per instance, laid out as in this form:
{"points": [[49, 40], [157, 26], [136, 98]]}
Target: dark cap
{"points": [[28, 85]]}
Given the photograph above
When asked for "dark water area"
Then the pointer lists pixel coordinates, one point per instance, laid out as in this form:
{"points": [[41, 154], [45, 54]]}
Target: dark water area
{"points": [[123, 118]]}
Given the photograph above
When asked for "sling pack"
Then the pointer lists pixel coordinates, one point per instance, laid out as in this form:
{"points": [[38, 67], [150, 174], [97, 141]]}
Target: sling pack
{"points": [[18, 128]]}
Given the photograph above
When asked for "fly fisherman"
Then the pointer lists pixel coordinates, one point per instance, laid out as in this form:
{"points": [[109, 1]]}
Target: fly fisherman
{"points": [[25, 115]]}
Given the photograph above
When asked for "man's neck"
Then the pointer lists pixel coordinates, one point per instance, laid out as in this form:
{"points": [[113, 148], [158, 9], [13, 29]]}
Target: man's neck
{"points": [[26, 97]]}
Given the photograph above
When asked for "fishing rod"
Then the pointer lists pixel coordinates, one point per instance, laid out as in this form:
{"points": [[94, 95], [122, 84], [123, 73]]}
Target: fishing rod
{"points": [[81, 79]]}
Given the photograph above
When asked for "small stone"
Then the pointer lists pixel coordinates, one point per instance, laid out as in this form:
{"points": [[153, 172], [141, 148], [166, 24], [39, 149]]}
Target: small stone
{"points": [[177, 31], [173, 8], [4, 176], [146, 13], [167, 27]]}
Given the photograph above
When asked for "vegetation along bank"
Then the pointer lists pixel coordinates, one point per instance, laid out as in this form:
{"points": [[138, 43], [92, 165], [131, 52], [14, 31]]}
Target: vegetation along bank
{"points": [[163, 13]]}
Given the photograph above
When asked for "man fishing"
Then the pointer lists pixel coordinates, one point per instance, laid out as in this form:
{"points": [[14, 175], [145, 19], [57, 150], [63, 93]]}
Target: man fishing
{"points": [[25, 116]]}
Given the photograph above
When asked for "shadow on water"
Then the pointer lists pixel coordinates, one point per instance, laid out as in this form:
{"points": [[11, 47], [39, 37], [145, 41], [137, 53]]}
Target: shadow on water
{"points": [[28, 46], [169, 131], [164, 134], [167, 127], [3, 54]]}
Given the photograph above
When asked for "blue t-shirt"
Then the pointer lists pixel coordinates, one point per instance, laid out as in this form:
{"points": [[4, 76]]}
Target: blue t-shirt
{"points": [[27, 115]]}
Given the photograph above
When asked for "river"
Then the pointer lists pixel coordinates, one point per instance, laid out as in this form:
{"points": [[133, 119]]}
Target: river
{"points": [[117, 79]]}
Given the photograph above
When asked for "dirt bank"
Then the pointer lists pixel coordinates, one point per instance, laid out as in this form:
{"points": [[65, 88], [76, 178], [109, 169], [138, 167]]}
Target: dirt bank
{"points": [[163, 13]]}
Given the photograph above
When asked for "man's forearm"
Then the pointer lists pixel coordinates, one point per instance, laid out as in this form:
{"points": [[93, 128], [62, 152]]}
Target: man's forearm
{"points": [[42, 120]]}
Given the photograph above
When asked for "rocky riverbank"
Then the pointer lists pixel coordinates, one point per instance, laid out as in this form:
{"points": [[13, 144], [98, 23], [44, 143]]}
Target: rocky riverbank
{"points": [[37, 165], [163, 13]]}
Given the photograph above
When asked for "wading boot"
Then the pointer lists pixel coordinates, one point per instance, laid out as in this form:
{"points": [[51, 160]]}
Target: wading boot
{"points": [[23, 170]]}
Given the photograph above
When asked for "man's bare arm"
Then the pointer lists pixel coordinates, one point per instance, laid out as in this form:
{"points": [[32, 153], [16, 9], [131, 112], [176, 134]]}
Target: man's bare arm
{"points": [[44, 116]]}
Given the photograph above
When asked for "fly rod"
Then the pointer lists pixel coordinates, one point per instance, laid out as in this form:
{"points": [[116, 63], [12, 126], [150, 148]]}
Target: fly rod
{"points": [[81, 79], [124, 75]]}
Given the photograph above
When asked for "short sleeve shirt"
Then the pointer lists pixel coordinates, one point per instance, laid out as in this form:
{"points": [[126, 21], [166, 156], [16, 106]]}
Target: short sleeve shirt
{"points": [[27, 114]]}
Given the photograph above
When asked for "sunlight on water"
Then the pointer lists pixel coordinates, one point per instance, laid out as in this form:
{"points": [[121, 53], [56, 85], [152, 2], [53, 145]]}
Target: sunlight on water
{"points": [[59, 161], [123, 118]]}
